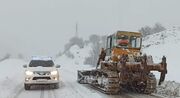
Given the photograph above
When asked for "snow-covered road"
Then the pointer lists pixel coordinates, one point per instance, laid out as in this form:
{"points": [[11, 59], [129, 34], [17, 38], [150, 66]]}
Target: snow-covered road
{"points": [[11, 85], [69, 88]]}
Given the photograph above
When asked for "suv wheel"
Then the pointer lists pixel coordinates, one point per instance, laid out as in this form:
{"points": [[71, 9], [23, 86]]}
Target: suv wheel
{"points": [[27, 86]]}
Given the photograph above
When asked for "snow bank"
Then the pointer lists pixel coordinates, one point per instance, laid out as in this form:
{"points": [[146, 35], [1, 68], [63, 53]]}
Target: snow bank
{"points": [[169, 89], [11, 76]]}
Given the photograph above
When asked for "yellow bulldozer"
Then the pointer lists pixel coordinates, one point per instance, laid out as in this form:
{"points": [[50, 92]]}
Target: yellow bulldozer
{"points": [[122, 66]]}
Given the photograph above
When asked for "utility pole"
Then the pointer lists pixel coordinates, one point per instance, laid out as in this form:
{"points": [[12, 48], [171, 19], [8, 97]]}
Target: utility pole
{"points": [[76, 34]]}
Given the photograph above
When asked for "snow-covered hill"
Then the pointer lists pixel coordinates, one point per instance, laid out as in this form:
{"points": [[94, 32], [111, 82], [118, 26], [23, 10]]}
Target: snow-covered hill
{"points": [[78, 57], [166, 43]]}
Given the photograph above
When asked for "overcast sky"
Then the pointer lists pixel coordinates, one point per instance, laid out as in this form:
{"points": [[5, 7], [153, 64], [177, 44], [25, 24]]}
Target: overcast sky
{"points": [[42, 27]]}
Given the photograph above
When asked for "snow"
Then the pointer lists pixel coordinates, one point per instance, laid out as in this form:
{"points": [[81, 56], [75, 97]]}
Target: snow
{"points": [[167, 45], [10, 76], [169, 89], [45, 58]]}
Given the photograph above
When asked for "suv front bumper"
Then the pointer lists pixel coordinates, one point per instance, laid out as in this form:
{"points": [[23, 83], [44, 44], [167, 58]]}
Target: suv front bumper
{"points": [[41, 80]]}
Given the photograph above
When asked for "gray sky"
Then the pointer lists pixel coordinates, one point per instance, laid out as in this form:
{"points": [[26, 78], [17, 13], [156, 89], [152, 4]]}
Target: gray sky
{"points": [[42, 27]]}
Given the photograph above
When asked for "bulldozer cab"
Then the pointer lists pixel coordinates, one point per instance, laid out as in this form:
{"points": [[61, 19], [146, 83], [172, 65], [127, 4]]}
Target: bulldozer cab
{"points": [[123, 40]]}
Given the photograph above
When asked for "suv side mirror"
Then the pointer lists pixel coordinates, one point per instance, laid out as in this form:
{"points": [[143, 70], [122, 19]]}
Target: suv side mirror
{"points": [[25, 66], [58, 66]]}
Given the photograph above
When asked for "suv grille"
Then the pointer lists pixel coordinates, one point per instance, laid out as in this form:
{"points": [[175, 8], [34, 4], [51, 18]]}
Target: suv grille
{"points": [[36, 78], [41, 72]]}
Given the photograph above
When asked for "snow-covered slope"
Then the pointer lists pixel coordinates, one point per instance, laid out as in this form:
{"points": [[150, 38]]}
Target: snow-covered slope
{"points": [[166, 43], [77, 62]]}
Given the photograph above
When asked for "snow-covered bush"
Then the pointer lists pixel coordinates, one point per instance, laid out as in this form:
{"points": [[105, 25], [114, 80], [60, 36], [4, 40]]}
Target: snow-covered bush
{"points": [[169, 89], [98, 42], [147, 30], [74, 41]]}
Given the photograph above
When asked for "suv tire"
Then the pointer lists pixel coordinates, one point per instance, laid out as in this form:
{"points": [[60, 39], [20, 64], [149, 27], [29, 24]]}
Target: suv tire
{"points": [[56, 86], [27, 86]]}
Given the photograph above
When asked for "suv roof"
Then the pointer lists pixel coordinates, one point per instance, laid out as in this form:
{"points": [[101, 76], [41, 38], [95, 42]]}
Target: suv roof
{"points": [[44, 58]]}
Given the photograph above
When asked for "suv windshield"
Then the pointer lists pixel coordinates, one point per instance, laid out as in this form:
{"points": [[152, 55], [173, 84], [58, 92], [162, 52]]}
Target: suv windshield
{"points": [[36, 63]]}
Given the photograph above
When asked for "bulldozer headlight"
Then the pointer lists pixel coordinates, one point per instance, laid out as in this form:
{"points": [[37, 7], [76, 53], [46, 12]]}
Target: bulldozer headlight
{"points": [[54, 72]]}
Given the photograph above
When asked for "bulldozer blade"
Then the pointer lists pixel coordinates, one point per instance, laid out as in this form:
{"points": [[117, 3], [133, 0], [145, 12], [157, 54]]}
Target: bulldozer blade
{"points": [[164, 72], [82, 77], [162, 78]]}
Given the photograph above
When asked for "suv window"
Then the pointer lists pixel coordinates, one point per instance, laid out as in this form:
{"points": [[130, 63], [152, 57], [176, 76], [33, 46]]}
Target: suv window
{"points": [[36, 63]]}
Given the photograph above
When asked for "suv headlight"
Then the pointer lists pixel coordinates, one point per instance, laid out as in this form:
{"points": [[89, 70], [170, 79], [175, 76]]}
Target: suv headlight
{"points": [[29, 73], [54, 72]]}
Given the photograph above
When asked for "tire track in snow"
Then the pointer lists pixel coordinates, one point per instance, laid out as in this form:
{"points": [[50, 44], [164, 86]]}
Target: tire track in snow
{"points": [[51, 94], [47, 92], [69, 82], [42, 93], [54, 94], [74, 90]]}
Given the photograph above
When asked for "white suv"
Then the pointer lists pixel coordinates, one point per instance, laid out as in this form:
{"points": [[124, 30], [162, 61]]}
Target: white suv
{"points": [[41, 71]]}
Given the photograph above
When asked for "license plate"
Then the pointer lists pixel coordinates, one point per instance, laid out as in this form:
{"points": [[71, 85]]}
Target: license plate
{"points": [[41, 80]]}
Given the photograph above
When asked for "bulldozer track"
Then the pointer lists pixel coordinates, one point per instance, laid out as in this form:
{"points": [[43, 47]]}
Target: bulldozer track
{"points": [[47, 93], [103, 91], [112, 82]]}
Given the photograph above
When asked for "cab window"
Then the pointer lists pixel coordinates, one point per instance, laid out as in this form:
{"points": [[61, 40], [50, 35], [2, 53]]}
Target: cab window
{"points": [[135, 42], [122, 41]]}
